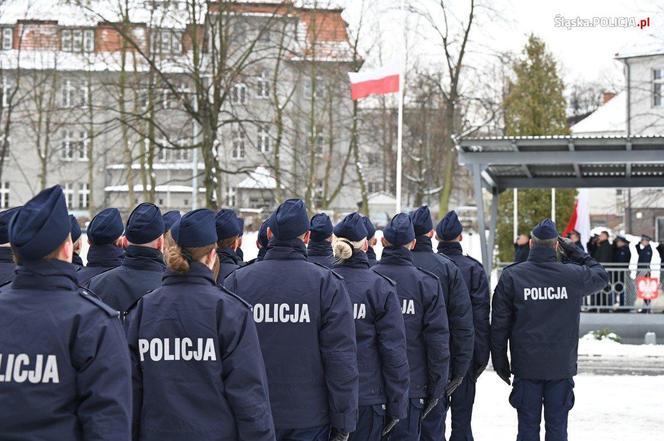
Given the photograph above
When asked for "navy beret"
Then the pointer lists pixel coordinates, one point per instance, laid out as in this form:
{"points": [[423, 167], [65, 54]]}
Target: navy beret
{"points": [[449, 227], [240, 225], [422, 222], [75, 228], [371, 229], [545, 230], [145, 224], [106, 227], [320, 227], [351, 228], [262, 232], [290, 220], [170, 218], [41, 225], [5, 217], [227, 225], [400, 230], [195, 229]]}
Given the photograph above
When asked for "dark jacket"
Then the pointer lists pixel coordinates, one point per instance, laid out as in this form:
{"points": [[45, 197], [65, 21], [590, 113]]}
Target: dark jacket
{"points": [[77, 261], [645, 255], [141, 272], [371, 256], [457, 302], [536, 307], [198, 369], [425, 317], [229, 261], [478, 286], [521, 252], [381, 336], [305, 325], [101, 258], [7, 265], [75, 383], [320, 252], [622, 254], [603, 252]]}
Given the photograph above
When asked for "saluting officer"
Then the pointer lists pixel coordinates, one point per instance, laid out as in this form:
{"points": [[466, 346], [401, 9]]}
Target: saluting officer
{"points": [[105, 252], [305, 325], [371, 238], [7, 264], [459, 316], [143, 265], [64, 367], [380, 334], [78, 243], [198, 369], [228, 233], [536, 307], [425, 316], [319, 248]]}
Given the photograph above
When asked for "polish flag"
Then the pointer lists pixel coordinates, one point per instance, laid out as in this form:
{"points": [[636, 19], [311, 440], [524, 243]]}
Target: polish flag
{"points": [[580, 218], [379, 81]]}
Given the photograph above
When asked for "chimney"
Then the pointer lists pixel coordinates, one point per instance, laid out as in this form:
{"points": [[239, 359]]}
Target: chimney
{"points": [[607, 95]]}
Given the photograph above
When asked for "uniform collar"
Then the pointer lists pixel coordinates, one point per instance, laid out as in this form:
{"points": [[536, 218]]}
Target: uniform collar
{"points": [[293, 249], [261, 254], [423, 245], [143, 258], [450, 248], [397, 256], [359, 259], [6, 255], [198, 274], [541, 254], [44, 275], [107, 255], [76, 260], [371, 254], [319, 248], [227, 255]]}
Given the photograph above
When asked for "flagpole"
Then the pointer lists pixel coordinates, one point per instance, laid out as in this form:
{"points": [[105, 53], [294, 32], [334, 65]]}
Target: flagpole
{"points": [[553, 204], [400, 116]]}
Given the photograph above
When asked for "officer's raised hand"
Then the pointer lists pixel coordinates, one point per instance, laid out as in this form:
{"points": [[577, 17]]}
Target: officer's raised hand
{"points": [[571, 251], [337, 435], [454, 383], [390, 424], [428, 406]]}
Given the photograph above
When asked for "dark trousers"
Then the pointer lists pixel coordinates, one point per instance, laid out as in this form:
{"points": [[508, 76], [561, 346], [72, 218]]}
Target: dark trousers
{"points": [[320, 433], [409, 429], [369, 424], [528, 397], [461, 406]]}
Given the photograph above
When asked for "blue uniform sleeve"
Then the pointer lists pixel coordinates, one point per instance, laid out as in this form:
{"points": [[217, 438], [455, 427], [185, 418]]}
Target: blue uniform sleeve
{"points": [[480, 298], [436, 334], [132, 323], [339, 353], [502, 319], [103, 379], [244, 377], [460, 315], [593, 276], [391, 335]]}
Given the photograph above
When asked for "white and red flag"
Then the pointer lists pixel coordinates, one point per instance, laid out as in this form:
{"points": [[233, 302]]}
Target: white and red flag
{"points": [[580, 218], [379, 81]]}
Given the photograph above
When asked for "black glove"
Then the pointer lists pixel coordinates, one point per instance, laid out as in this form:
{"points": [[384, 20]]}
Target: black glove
{"points": [[571, 251], [429, 404], [453, 384], [505, 375], [390, 423], [337, 435], [478, 370]]}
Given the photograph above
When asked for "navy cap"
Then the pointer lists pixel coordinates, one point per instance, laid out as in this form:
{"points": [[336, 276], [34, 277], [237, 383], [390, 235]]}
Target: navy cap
{"points": [[195, 229], [227, 225], [449, 227], [351, 228], [41, 225], [262, 232], [290, 220], [622, 238], [646, 237], [400, 230], [106, 227], [240, 225], [5, 218], [320, 227], [545, 230], [145, 224], [75, 228], [371, 229], [422, 222], [170, 218]]}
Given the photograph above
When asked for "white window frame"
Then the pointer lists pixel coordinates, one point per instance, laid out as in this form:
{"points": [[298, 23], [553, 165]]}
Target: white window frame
{"points": [[176, 42], [83, 195], [238, 144], [68, 93], [68, 190], [658, 87], [239, 94], [5, 195], [88, 40], [82, 145], [167, 98], [263, 85], [264, 141], [84, 90], [77, 40], [9, 146], [7, 38], [165, 42], [67, 152], [308, 87], [231, 196], [66, 40], [6, 91]]}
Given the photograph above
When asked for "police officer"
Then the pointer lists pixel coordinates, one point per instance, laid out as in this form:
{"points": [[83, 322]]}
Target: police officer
{"points": [[7, 264], [380, 334], [239, 252], [536, 306], [105, 252], [319, 248], [78, 244], [170, 218], [228, 232], [143, 265], [459, 316], [427, 330], [305, 325], [64, 368], [371, 238], [644, 250], [262, 241], [449, 235], [198, 369]]}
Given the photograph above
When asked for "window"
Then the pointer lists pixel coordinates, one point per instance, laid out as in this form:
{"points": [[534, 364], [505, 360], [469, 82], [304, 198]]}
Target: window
{"points": [[68, 190], [67, 150], [77, 40], [65, 40], [167, 98], [374, 187], [309, 86], [231, 196], [166, 41], [657, 87], [263, 85], [319, 192], [82, 145], [264, 35], [264, 139], [4, 195], [318, 139], [7, 38], [84, 91], [373, 158], [181, 154], [239, 94], [176, 42], [67, 94], [89, 40], [7, 146], [163, 154], [6, 92], [238, 150], [83, 195]]}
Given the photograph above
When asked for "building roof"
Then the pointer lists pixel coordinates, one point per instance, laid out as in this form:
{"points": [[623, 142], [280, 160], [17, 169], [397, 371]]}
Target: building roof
{"points": [[608, 119], [645, 46], [259, 179]]}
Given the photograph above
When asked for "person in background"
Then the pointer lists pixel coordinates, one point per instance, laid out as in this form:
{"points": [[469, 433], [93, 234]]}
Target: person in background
{"points": [[7, 263], [105, 239], [660, 250], [371, 238], [380, 334], [228, 234], [592, 244], [645, 258], [521, 248], [239, 252], [78, 245], [575, 237], [603, 253], [262, 241], [319, 249], [621, 257]]}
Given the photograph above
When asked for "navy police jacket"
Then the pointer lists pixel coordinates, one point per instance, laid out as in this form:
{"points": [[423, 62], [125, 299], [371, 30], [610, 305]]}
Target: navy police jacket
{"points": [[425, 317], [645, 256], [7, 265], [141, 272], [536, 306], [622, 254], [457, 302], [305, 326], [521, 252], [478, 286], [371, 256], [320, 252], [101, 258], [229, 261], [381, 336], [77, 261], [197, 366], [64, 367]]}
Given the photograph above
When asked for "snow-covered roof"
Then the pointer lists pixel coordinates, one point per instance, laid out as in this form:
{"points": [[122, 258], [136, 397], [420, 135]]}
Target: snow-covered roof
{"points": [[608, 119], [382, 198], [158, 188], [259, 179], [158, 166], [645, 46]]}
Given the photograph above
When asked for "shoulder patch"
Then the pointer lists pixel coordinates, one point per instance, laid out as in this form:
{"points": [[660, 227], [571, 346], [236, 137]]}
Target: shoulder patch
{"points": [[92, 298], [428, 272], [334, 273], [235, 296], [390, 281]]}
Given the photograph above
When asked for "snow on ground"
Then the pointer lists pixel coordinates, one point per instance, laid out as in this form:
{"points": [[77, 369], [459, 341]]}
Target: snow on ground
{"points": [[607, 408], [589, 345]]}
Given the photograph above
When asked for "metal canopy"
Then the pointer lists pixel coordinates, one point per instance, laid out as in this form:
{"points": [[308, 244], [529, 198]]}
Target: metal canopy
{"points": [[501, 163]]}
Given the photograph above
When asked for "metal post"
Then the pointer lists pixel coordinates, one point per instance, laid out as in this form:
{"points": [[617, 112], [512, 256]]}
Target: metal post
{"points": [[400, 122], [477, 184], [492, 227], [194, 158], [515, 214], [553, 204]]}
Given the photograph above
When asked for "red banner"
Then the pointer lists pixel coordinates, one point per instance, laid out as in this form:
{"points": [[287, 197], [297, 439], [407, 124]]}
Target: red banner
{"points": [[647, 288]]}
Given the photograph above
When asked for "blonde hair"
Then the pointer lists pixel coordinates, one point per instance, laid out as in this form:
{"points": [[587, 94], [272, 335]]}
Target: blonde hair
{"points": [[179, 259], [344, 248]]}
